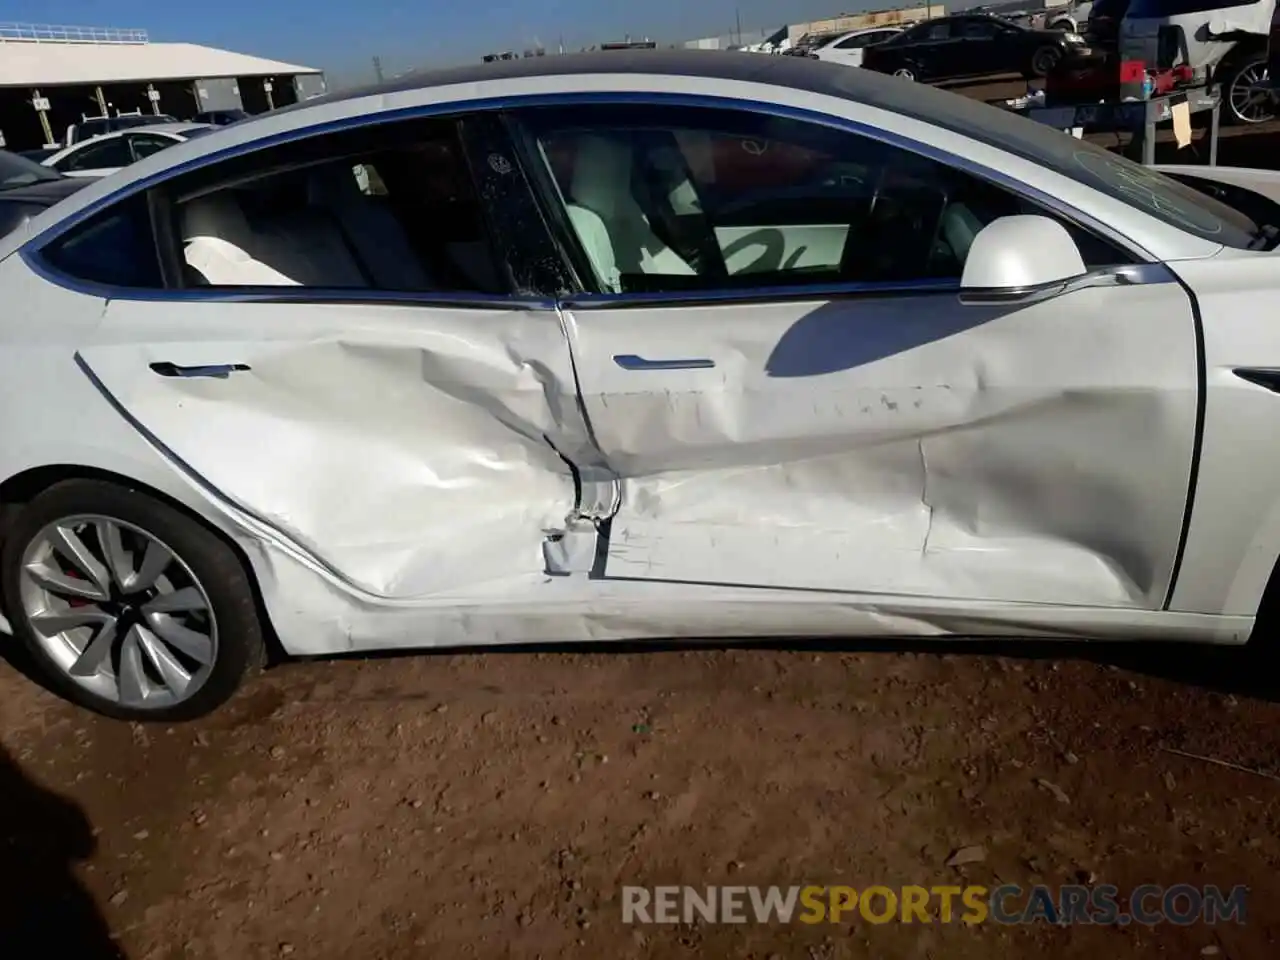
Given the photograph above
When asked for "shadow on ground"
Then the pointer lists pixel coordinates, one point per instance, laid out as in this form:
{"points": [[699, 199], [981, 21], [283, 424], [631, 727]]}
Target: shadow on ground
{"points": [[43, 906]]}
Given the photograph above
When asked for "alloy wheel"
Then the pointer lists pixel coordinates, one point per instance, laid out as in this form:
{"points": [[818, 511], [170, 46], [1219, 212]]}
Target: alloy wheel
{"points": [[906, 73], [118, 611], [1250, 97]]}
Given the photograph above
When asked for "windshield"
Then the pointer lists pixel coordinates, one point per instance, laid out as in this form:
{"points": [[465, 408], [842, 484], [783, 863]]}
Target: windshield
{"points": [[16, 171], [1153, 193]]}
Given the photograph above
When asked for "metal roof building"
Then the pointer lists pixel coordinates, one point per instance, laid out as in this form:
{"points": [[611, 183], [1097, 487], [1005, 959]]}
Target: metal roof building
{"points": [[51, 76]]}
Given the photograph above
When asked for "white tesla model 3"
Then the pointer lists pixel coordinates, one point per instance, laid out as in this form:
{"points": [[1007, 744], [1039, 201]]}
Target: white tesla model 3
{"points": [[630, 345]]}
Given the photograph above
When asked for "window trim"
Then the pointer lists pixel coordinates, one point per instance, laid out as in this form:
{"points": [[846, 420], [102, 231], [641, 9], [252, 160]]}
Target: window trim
{"points": [[30, 251]]}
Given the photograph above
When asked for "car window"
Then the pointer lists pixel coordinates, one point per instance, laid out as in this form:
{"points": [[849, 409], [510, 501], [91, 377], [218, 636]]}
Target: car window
{"points": [[145, 144], [854, 43], [114, 247], [107, 153], [979, 30], [92, 128], [1141, 187], [666, 200], [391, 207], [18, 171]]}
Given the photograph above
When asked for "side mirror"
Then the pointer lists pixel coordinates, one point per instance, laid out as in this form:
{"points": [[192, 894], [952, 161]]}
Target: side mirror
{"points": [[1014, 256]]}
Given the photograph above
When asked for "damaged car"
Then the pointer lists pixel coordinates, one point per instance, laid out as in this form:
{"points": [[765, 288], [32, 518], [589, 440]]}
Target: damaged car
{"points": [[625, 346]]}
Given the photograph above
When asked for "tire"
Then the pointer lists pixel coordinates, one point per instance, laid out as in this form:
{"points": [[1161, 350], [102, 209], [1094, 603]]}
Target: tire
{"points": [[201, 593], [1243, 102], [908, 71], [1044, 60]]}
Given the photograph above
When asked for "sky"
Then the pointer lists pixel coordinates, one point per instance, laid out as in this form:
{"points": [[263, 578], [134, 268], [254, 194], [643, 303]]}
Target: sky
{"points": [[342, 36]]}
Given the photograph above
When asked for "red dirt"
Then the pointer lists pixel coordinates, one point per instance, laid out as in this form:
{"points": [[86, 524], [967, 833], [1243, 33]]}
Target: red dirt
{"points": [[495, 804]]}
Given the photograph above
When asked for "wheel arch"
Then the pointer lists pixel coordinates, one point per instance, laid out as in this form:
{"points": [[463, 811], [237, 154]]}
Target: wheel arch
{"points": [[21, 488]]}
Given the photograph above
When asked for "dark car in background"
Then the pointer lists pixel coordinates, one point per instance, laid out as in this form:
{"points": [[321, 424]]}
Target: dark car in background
{"points": [[28, 189], [971, 45], [220, 118]]}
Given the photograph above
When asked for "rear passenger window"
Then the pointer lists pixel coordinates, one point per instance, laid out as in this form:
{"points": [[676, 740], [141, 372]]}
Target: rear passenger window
{"points": [[383, 208], [115, 247]]}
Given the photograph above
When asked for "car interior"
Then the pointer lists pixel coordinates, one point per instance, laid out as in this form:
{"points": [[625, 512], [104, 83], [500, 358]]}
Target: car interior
{"points": [[759, 212], [400, 220]]}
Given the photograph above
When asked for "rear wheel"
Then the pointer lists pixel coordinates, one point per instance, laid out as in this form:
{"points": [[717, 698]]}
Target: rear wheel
{"points": [[1247, 91], [126, 605], [908, 71]]}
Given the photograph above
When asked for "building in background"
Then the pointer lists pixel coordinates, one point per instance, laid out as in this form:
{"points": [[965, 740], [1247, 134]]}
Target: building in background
{"points": [[54, 76]]}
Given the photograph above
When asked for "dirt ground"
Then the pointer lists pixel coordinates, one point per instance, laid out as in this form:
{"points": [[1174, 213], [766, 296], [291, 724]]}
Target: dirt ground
{"points": [[495, 805]]}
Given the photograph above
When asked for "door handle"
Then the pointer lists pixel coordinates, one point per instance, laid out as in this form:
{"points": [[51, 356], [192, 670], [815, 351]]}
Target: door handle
{"points": [[629, 361], [217, 371]]}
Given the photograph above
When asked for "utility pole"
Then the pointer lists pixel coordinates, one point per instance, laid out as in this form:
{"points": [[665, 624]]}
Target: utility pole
{"points": [[737, 12], [377, 68]]}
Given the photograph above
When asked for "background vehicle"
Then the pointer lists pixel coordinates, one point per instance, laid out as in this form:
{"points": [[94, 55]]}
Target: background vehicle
{"points": [[848, 47], [220, 118], [950, 48], [96, 126], [1225, 43], [27, 189], [109, 152], [1069, 19]]}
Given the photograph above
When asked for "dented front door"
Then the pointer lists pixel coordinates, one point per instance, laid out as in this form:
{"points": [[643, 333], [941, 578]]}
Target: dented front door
{"points": [[900, 444], [411, 449]]}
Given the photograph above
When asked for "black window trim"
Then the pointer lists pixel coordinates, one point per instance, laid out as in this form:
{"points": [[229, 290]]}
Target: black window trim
{"points": [[591, 296]]}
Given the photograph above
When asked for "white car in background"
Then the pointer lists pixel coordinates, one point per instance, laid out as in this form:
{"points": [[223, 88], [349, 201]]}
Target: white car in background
{"points": [[631, 345], [847, 48], [109, 152]]}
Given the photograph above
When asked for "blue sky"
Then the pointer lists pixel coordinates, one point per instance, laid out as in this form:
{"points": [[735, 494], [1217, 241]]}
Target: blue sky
{"points": [[341, 36]]}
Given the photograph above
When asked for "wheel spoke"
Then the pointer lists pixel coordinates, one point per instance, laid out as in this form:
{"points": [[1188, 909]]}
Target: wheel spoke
{"points": [[64, 585], [52, 624], [68, 544], [197, 646], [186, 600], [131, 680], [119, 560], [154, 562], [95, 652], [175, 677]]}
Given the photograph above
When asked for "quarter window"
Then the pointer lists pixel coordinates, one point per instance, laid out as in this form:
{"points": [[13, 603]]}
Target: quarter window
{"points": [[114, 247], [691, 199]]}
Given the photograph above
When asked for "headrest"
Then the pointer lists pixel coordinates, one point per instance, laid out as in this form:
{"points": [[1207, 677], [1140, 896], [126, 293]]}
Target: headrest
{"points": [[216, 215], [601, 174]]}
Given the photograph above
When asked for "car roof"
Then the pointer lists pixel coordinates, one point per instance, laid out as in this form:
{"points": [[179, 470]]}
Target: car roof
{"points": [[800, 73]]}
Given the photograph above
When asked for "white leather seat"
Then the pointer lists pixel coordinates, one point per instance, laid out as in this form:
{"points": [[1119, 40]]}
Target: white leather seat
{"points": [[217, 239], [301, 247], [371, 228], [609, 222]]}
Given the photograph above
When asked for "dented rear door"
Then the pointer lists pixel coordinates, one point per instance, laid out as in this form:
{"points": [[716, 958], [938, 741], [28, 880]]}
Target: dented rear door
{"points": [[899, 441], [415, 450]]}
